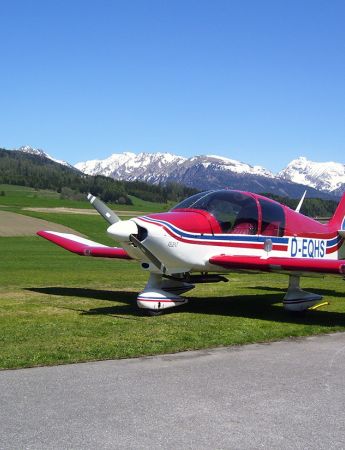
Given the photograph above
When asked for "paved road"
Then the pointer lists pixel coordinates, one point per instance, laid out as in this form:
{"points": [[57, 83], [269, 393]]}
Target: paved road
{"points": [[286, 395]]}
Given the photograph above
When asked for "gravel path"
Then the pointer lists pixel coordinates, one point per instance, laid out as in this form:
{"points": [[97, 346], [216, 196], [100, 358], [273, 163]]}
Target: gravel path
{"points": [[12, 224]]}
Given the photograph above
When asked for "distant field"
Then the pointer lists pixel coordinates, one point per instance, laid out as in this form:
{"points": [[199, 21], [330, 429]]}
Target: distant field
{"points": [[47, 205], [56, 307], [81, 211], [20, 197]]}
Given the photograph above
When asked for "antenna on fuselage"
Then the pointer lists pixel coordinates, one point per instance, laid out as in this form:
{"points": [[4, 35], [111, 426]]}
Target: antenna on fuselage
{"points": [[299, 206]]}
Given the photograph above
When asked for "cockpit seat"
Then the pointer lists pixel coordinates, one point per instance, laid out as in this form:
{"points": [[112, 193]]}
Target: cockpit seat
{"points": [[248, 227], [271, 229]]}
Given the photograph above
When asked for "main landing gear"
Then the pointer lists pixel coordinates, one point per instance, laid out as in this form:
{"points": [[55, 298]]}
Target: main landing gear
{"points": [[296, 299]]}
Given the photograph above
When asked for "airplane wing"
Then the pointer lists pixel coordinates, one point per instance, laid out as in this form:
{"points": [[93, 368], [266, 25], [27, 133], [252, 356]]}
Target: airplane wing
{"points": [[280, 264], [82, 246]]}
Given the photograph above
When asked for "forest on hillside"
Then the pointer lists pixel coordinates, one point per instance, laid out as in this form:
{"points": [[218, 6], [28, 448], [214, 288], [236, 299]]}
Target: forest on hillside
{"points": [[39, 172], [312, 207]]}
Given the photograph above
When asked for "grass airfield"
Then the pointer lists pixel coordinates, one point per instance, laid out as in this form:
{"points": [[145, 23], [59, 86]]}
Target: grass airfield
{"points": [[57, 307]]}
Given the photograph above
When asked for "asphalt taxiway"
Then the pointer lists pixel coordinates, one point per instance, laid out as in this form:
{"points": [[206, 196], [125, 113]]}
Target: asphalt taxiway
{"points": [[286, 395]]}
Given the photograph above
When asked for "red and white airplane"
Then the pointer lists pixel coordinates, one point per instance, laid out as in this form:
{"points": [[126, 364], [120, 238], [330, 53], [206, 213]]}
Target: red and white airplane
{"points": [[217, 232]]}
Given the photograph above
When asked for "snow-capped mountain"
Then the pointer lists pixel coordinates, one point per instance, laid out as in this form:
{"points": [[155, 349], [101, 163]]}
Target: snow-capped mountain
{"points": [[162, 167], [150, 167], [203, 172], [39, 152], [213, 172], [326, 176]]}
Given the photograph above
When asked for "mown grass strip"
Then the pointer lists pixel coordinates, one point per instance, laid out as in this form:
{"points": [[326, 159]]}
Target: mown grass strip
{"points": [[56, 307]]}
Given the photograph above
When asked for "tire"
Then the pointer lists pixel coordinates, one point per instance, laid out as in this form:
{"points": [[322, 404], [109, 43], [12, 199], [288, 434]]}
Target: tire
{"points": [[152, 312]]}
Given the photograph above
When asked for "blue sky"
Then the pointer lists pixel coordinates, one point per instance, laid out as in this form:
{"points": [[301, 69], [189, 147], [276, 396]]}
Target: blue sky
{"points": [[259, 81]]}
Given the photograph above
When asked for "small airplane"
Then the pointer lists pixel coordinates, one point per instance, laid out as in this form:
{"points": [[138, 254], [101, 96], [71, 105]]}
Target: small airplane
{"points": [[216, 232]]}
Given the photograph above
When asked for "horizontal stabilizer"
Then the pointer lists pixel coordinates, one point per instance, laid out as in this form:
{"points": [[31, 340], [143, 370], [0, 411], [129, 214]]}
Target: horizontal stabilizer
{"points": [[82, 246], [334, 266]]}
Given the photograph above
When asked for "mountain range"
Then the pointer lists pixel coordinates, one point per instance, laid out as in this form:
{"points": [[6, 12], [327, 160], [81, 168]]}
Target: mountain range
{"points": [[325, 180], [212, 172]]}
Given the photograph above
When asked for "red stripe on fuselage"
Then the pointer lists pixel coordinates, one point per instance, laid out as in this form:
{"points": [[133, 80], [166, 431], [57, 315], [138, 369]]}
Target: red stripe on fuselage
{"points": [[196, 241], [160, 301], [334, 248]]}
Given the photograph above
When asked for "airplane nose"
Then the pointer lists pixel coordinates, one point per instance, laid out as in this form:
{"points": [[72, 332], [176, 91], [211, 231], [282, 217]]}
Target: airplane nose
{"points": [[122, 230]]}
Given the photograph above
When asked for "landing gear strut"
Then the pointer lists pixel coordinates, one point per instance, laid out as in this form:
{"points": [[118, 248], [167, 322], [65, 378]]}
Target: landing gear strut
{"points": [[296, 299]]}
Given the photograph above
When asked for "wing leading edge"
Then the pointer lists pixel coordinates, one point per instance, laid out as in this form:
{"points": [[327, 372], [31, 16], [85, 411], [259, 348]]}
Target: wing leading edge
{"points": [[82, 246], [280, 264]]}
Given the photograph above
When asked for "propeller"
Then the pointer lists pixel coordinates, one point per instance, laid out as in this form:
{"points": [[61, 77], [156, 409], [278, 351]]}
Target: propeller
{"points": [[123, 230], [103, 209]]}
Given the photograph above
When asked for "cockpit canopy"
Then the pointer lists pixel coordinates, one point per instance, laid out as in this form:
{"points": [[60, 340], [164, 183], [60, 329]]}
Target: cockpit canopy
{"points": [[239, 212]]}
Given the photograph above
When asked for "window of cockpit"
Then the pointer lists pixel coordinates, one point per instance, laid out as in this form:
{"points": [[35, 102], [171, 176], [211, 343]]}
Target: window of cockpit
{"points": [[246, 218], [190, 202], [236, 212], [273, 218]]}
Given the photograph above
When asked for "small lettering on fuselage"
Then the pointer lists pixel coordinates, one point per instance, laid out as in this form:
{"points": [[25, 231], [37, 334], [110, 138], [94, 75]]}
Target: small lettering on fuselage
{"points": [[307, 248], [172, 244]]}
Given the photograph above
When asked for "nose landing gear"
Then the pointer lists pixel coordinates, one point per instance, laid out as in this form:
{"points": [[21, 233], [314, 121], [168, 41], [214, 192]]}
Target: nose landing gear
{"points": [[160, 294]]}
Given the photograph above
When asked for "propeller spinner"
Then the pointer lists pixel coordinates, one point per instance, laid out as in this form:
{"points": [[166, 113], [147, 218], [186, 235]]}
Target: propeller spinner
{"points": [[124, 230]]}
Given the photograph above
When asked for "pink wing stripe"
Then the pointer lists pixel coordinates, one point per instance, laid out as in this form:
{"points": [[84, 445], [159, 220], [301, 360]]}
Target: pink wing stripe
{"points": [[83, 247], [271, 264]]}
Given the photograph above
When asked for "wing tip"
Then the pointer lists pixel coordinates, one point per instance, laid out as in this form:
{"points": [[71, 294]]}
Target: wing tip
{"points": [[68, 243]]}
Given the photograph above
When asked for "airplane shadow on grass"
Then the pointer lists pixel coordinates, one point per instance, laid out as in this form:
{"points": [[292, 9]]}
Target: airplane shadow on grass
{"points": [[128, 298], [266, 307]]}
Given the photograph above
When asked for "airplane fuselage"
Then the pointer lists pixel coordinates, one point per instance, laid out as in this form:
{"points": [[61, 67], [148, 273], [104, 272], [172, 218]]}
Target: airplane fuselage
{"points": [[185, 251]]}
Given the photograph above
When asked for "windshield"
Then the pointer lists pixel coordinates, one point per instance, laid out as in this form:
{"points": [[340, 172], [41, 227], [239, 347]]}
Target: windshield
{"points": [[235, 212], [191, 201]]}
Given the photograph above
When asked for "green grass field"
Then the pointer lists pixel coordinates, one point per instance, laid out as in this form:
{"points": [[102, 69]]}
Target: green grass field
{"points": [[56, 307], [20, 197]]}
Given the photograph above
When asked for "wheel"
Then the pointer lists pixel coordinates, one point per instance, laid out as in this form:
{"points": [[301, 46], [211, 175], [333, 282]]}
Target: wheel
{"points": [[152, 312]]}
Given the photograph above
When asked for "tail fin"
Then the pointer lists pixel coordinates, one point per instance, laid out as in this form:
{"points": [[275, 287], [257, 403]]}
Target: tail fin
{"points": [[338, 219]]}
